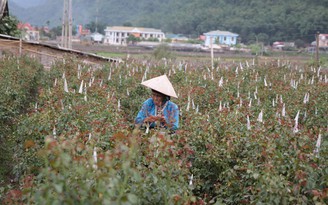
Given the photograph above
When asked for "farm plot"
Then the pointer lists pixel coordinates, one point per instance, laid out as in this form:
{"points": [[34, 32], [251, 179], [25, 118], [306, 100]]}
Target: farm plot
{"points": [[249, 134]]}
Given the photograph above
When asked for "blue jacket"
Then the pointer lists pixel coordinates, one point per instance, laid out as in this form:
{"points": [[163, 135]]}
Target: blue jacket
{"points": [[170, 112]]}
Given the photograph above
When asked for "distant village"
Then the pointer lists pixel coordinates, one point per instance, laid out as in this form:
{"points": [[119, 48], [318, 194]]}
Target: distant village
{"points": [[150, 37]]}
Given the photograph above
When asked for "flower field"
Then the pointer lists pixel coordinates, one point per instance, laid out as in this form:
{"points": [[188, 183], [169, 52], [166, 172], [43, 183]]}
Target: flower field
{"points": [[249, 133]]}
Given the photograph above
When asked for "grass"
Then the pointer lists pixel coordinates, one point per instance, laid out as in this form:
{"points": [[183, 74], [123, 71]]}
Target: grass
{"points": [[301, 58], [124, 55], [111, 55]]}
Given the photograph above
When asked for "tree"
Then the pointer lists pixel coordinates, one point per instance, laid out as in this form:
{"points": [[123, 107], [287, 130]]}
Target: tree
{"points": [[48, 23], [127, 24], [299, 43], [132, 39], [99, 27], [56, 31], [162, 51], [263, 38], [8, 26]]}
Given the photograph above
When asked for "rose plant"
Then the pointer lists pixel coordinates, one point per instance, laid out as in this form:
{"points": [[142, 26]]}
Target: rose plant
{"points": [[248, 135]]}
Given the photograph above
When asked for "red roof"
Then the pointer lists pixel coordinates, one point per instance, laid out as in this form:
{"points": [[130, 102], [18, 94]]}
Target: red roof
{"points": [[202, 37], [26, 26]]}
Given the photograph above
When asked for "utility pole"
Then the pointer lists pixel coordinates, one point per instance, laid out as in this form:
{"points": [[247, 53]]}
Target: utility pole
{"points": [[67, 25], [97, 13], [317, 49], [96, 31]]}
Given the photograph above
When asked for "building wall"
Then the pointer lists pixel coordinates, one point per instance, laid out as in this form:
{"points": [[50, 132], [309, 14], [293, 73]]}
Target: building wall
{"points": [[31, 35], [323, 40], [116, 37], [97, 37], [220, 39]]}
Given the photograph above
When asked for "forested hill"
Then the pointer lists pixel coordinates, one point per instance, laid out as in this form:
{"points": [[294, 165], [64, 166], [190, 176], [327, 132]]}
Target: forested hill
{"points": [[262, 20]]}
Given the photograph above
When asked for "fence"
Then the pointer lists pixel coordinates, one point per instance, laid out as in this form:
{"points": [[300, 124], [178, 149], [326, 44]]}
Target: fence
{"points": [[46, 54]]}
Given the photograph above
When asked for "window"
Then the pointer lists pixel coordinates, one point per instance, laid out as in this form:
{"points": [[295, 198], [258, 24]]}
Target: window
{"points": [[225, 38], [232, 39]]}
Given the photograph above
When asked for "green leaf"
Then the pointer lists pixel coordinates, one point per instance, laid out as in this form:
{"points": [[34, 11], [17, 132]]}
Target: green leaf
{"points": [[59, 187], [132, 198]]}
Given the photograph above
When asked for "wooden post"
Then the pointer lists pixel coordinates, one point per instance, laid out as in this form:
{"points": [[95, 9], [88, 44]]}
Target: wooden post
{"points": [[70, 22], [317, 50], [212, 53], [63, 25], [20, 46]]}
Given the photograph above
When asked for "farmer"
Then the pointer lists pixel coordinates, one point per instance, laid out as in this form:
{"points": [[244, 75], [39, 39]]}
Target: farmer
{"points": [[159, 111]]}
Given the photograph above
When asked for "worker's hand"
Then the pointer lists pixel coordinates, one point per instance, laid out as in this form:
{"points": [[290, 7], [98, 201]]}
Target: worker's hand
{"points": [[155, 119]]}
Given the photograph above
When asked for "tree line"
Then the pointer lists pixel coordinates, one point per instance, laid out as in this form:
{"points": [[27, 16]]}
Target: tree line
{"points": [[254, 20]]}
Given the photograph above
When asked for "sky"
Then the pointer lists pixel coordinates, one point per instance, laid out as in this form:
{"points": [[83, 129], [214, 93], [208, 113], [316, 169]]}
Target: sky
{"points": [[28, 3]]}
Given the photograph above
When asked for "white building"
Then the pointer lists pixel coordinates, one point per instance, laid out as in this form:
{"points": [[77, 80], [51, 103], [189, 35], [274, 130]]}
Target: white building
{"points": [[117, 35], [221, 38], [97, 37]]}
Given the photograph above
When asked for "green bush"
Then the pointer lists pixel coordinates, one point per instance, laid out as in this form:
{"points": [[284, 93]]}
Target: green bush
{"points": [[20, 79], [163, 51]]}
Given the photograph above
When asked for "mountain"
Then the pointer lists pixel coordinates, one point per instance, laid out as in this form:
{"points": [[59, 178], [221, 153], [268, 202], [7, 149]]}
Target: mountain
{"points": [[254, 20], [84, 11], [38, 12]]}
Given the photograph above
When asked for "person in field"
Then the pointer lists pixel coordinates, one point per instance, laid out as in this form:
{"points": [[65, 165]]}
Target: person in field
{"points": [[159, 110]]}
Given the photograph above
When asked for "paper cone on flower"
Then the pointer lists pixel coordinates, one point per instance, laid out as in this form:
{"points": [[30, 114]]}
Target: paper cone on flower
{"points": [[317, 146], [161, 84]]}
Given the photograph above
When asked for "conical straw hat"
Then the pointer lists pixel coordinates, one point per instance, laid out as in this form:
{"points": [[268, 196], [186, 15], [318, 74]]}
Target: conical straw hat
{"points": [[161, 84]]}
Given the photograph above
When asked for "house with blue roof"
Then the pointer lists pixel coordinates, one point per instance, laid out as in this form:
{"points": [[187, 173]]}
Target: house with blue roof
{"points": [[221, 38]]}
